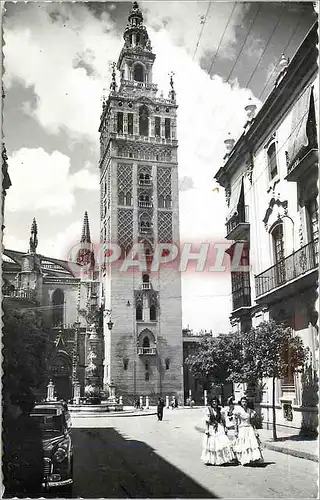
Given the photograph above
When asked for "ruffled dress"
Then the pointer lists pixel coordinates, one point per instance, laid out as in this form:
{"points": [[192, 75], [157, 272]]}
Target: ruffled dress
{"points": [[246, 446], [216, 448]]}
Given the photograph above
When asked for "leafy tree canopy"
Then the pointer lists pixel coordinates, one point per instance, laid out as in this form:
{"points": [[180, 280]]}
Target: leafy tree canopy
{"points": [[24, 347], [216, 358]]}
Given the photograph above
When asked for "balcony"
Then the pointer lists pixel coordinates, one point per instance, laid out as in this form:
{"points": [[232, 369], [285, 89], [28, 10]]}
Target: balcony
{"points": [[143, 138], [145, 204], [238, 225], [290, 275], [241, 298], [145, 182], [302, 165], [19, 294], [132, 84], [146, 231], [146, 286], [149, 351]]}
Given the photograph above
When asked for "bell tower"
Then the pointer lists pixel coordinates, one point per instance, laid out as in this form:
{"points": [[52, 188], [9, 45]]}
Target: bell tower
{"points": [[140, 206]]}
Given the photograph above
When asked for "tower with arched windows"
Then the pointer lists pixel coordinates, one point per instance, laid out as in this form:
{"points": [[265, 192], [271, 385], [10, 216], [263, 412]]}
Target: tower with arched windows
{"points": [[139, 204]]}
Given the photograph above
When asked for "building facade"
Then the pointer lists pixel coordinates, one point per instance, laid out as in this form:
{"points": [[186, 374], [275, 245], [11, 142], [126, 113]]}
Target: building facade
{"points": [[139, 206], [64, 292], [271, 180]]}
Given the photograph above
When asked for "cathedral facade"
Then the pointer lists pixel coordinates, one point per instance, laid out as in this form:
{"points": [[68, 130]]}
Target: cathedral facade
{"points": [[140, 209]]}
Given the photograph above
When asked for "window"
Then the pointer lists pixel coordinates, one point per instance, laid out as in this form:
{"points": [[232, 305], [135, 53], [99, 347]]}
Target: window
{"points": [[272, 161], [144, 179], [313, 219], [157, 126], [120, 123], [278, 248], [161, 201], [144, 121], [130, 123], [145, 224], [145, 278], [125, 363], [138, 73], [121, 198], [167, 362], [146, 343], [128, 199], [58, 307], [139, 313], [153, 313], [167, 128], [146, 376]]}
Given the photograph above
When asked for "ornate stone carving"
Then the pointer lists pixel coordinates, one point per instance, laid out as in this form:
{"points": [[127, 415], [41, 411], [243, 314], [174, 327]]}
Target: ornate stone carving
{"points": [[138, 298], [125, 228], [164, 182], [124, 182], [164, 227], [272, 203]]}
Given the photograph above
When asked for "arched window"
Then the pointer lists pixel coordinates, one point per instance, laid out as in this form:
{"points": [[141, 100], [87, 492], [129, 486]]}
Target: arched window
{"points": [[145, 224], [167, 202], [144, 121], [161, 201], [153, 313], [146, 342], [145, 278], [128, 199], [272, 160], [58, 307], [139, 313], [138, 73], [167, 361], [121, 198]]}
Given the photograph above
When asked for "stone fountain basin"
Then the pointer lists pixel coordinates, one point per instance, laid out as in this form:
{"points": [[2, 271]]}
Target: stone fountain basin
{"points": [[103, 407]]}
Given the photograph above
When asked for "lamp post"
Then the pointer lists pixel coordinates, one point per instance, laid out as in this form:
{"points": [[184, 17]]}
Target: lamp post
{"points": [[106, 312], [75, 381]]}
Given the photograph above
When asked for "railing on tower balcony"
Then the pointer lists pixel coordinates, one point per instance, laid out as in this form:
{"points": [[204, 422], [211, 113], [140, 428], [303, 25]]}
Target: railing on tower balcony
{"points": [[238, 222], [147, 350], [295, 265], [143, 138], [139, 85], [146, 286], [145, 230], [145, 204], [145, 182]]}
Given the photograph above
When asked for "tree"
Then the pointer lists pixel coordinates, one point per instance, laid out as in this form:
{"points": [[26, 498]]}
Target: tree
{"points": [[269, 351], [216, 358], [24, 349]]}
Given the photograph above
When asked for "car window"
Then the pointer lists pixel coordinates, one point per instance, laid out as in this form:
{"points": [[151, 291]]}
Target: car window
{"points": [[50, 425]]}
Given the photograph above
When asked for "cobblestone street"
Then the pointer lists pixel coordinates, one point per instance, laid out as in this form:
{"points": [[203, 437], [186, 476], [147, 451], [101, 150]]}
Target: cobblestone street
{"points": [[137, 456]]}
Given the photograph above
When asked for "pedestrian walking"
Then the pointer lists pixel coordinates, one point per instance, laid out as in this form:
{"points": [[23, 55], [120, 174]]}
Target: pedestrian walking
{"points": [[160, 406], [247, 445], [228, 413], [217, 449], [173, 403]]}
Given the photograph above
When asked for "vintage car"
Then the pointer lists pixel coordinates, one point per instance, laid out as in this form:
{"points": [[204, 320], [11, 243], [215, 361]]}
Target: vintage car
{"points": [[55, 423]]}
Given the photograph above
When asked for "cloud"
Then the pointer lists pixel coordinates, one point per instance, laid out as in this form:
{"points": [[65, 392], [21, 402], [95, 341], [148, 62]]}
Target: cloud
{"points": [[64, 53], [184, 29], [42, 181]]}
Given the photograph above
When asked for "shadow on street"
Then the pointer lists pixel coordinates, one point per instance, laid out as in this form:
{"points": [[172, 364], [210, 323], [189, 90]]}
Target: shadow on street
{"points": [[106, 464]]}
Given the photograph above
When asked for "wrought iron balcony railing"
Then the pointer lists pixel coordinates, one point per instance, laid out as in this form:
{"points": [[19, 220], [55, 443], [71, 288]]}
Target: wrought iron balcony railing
{"points": [[145, 182], [297, 264], [146, 286], [151, 351], [240, 218]]}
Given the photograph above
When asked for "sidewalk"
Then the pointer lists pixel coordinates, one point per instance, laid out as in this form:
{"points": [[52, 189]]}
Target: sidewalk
{"points": [[289, 444]]}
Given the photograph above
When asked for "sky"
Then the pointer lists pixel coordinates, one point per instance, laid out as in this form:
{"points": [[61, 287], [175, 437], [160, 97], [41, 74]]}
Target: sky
{"points": [[57, 59]]}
